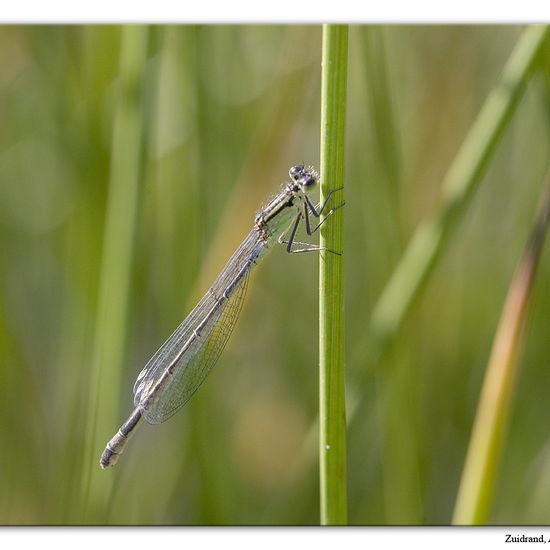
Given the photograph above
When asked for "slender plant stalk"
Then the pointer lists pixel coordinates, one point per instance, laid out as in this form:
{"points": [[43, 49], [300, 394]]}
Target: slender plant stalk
{"points": [[459, 185], [482, 463], [118, 242], [332, 413], [381, 108]]}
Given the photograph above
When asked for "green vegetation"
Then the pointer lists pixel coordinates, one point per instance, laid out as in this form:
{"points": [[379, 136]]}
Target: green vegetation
{"points": [[132, 162], [332, 410], [477, 486]]}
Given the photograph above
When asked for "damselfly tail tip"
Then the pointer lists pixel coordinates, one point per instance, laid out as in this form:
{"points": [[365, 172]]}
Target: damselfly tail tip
{"points": [[108, 458]]}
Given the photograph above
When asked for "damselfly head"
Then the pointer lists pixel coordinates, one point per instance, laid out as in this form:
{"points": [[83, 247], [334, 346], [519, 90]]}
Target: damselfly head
{"points": [[303, 176]]}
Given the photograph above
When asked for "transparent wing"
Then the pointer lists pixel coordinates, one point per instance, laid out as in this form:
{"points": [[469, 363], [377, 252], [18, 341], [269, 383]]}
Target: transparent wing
{"points": [[170, 351], [179, 367], [193, 367]]}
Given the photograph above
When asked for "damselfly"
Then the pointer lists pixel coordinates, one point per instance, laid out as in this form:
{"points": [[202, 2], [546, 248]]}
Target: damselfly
{"points": [[180, 366]]}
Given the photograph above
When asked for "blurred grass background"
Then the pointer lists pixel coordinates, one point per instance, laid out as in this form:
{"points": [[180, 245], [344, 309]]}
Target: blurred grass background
{"points": [[200, 125]]}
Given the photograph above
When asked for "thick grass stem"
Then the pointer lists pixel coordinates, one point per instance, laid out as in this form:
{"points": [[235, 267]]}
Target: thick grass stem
{"points": [[332, 441]]}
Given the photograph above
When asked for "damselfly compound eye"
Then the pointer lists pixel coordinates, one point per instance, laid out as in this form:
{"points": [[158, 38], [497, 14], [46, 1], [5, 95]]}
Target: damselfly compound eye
{"points": [[308, 177], [296, 172], [309, 181]]}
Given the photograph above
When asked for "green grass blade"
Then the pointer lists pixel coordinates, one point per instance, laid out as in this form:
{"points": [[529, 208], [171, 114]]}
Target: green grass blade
{"points": [[478, 479], [118, 241], [459, 185], [332, 443], [381, 108]]}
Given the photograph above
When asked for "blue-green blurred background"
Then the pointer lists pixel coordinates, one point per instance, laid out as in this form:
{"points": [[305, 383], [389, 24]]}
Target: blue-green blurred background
{"points": [[132, 162]]}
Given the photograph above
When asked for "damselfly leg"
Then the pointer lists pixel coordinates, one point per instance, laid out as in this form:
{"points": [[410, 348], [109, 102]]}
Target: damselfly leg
{"points": [[317, 211]]}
